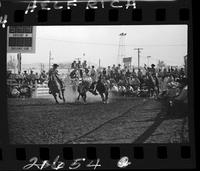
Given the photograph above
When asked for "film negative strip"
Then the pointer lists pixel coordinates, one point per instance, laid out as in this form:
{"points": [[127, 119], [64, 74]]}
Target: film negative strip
{"points": [[97, 85]]}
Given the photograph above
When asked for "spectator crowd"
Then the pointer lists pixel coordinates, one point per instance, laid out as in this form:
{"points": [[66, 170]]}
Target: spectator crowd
{"points": [[28, 78], [161, 78]]}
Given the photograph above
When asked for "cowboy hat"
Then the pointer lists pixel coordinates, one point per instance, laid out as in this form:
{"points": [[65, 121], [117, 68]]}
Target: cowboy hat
{"points": [[55, 65]]}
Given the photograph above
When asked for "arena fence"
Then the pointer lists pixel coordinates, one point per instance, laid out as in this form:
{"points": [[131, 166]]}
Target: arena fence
{"points": [[41, 90]]}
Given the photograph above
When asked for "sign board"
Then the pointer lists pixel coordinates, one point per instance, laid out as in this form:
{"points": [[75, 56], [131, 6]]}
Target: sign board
{"points": [[127, 60], [21, 39]]}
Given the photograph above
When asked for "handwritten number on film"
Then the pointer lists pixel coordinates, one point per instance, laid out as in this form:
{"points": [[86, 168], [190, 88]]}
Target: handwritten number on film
{"points": [[95, 165], [57, 165], [76, 164]]}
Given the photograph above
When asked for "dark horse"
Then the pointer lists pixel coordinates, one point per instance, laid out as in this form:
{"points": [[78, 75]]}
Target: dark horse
{"points": [[56, 86], [83, 87], [101, 87]]}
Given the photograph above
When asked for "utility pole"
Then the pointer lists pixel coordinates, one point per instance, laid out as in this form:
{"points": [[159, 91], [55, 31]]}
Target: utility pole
{"points": [[139, 51], [99, 63], [148, 57], [50, 58]]}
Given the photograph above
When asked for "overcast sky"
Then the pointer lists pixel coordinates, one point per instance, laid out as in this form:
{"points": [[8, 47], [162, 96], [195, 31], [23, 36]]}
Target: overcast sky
{"points": [[164, 42]]}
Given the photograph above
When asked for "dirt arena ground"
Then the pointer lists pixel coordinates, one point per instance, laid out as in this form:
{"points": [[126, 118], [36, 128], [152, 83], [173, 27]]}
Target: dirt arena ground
{"points": [[122, 120]]}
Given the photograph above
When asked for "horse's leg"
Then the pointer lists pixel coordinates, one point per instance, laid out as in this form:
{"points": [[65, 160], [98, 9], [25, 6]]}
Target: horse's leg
{"points": [[84, 97], [154, 92], [59, 94], [55, 97], [158, 90], [78, 96], [151, 92], [63, 96], [102, 97], [106, 96]]}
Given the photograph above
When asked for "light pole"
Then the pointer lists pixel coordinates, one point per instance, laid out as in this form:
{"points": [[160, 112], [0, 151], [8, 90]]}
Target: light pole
{"points": [[50, 58], [121, 48]]}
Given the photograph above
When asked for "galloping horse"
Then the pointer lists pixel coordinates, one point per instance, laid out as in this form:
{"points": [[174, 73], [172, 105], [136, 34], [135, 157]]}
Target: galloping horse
{"points": [[56, 86]]}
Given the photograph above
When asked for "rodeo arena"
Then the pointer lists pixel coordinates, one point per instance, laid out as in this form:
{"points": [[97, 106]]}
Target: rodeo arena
{"points": [[119, 103]]}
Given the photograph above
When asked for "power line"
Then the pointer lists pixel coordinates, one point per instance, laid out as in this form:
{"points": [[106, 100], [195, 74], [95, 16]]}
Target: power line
{"points": [[110, 44], [165, 60]]}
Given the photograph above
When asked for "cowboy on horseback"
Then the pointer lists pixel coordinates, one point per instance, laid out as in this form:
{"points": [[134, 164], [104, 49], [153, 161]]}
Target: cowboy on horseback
{"points": [[93, 75], [55, 83]]}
